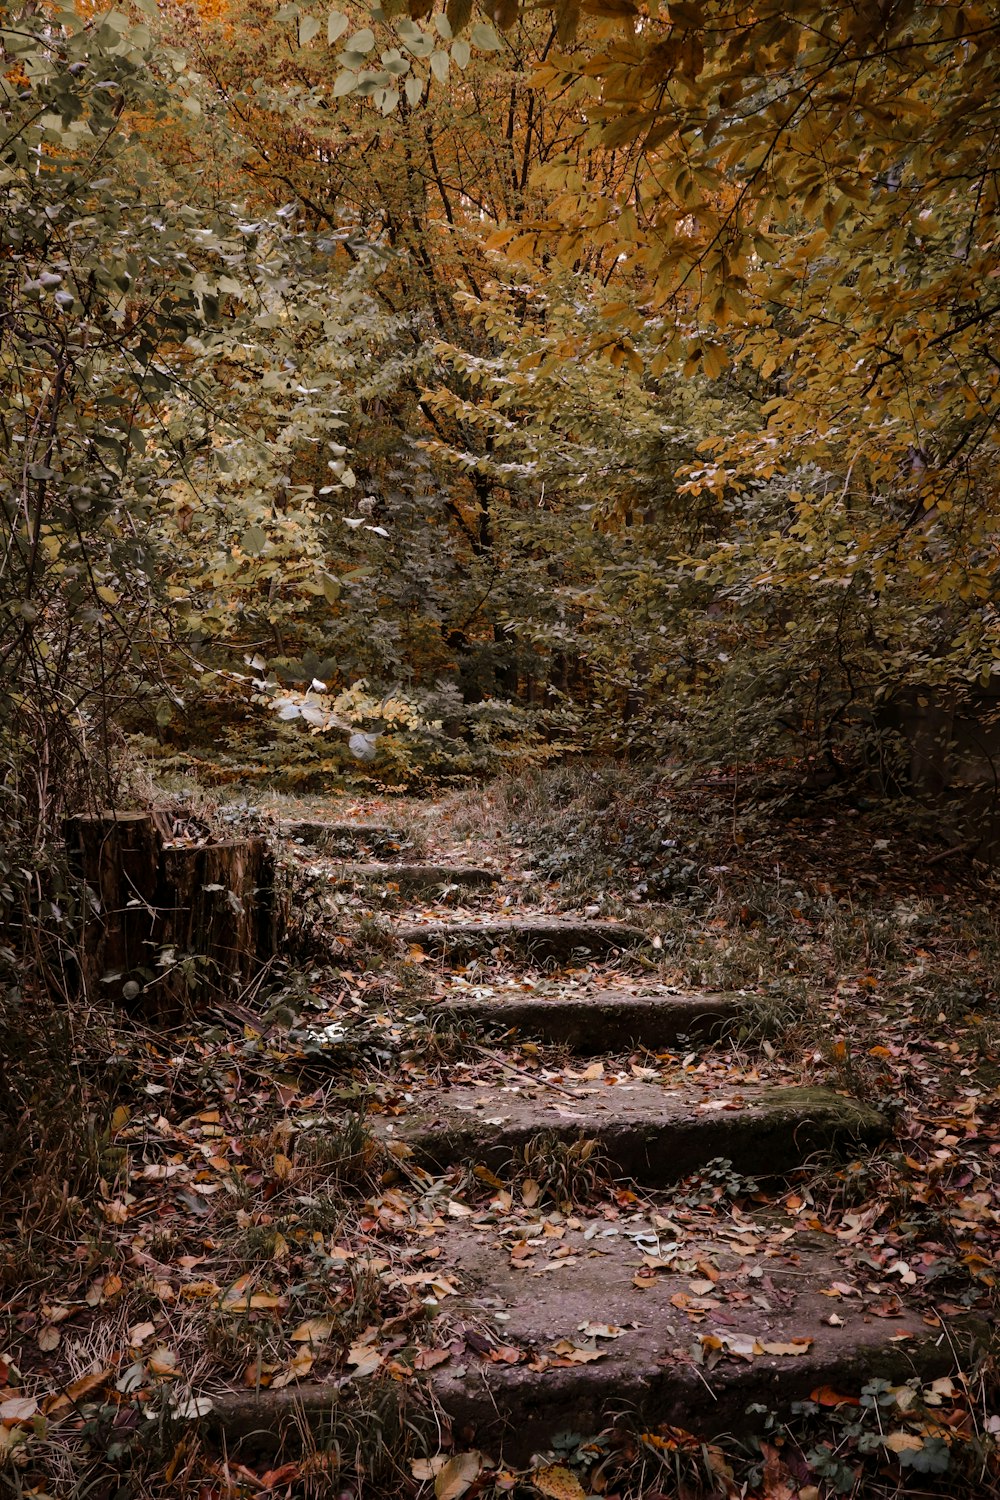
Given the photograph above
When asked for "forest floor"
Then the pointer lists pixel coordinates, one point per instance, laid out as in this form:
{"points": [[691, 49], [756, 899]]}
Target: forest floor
{"points": [[646, 1102]]}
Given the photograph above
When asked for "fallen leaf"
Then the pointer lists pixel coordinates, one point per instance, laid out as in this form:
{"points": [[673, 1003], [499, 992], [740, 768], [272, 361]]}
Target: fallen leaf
{"points": [[312, 1331], [530, 1192], [429, 1359], [84, 1384], [825, 1395], [558, 1483], [162, 1362], [191, 1408], [458, 1475], [577, 1354], [48, 1338], [18, 1409], [364, 1358], [297, 1367], [428, 1468], [903, 1442]]}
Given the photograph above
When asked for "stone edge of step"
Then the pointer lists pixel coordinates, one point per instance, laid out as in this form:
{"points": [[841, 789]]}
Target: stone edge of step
{"points": [[535, 1409]]}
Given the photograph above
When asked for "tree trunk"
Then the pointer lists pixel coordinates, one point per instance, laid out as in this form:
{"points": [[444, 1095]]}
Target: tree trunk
{"points": [[170, 924]]}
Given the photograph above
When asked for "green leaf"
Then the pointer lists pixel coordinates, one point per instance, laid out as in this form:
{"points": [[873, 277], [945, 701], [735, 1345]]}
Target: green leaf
{"points": [[461, 52], [414, 90], [309, 29], [361, 41], [253, 541], [439, 66], [336, 25], [485, 38]]}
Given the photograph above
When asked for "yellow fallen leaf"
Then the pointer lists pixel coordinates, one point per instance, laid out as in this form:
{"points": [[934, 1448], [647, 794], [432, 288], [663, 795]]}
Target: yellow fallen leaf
{"points": [[458, 1475], [48, 1338], [558, 1483], [903, 1442], [197, 1289], [794, 1346], [312, 1331], [139, 1332], [530, 1192], [364, 1358], [104, 1289], [296, 1368]]}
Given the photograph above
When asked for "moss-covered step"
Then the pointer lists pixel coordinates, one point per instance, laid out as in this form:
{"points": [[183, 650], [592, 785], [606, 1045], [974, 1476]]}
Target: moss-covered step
{"points": [[646, 1131], [588, 1319], [417, 877], [540, 937], [605, 1020], [345, 838]]}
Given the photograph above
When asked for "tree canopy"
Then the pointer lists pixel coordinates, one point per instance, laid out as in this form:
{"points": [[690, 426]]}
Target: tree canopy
{"points": [[615, 375]]}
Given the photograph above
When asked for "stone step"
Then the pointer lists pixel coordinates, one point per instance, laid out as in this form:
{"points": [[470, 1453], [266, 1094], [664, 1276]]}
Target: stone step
{"points": [[764, 1321], [540, 937], [648, 1132], [717, 1322], [606, 1020], [414, 877], [345, 838]]}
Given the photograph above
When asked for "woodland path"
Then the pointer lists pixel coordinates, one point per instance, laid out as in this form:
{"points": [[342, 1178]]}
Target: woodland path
{"points": [[670, 1306]]}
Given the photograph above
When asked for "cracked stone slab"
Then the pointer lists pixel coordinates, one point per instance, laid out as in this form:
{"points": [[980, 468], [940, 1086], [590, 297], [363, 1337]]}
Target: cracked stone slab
{"points": [[648, 1132], [605, 1020], [541, 937]]}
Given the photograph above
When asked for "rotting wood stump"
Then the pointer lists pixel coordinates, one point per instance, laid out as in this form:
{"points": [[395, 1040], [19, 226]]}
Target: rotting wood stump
{"points": [[172, 923]]}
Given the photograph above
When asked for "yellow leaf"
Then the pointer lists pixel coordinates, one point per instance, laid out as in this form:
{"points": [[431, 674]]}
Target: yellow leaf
{"points": [[313, 1331], [364, 1358], [558, 1483], [904, 1442], [458, 1474]]}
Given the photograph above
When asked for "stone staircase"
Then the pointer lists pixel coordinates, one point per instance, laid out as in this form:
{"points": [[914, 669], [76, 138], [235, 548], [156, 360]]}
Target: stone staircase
{"points": [[672, 1316]]}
